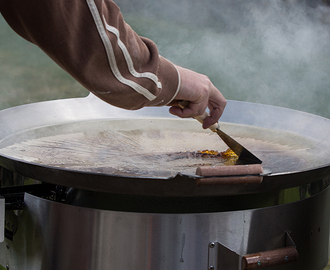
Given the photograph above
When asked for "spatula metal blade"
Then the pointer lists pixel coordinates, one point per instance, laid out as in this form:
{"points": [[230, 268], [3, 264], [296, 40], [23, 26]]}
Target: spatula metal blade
{"points": [[244, 155]]}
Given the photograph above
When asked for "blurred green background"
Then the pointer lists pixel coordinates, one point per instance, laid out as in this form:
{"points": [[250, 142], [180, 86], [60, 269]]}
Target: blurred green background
{"points": [[28, 75]]}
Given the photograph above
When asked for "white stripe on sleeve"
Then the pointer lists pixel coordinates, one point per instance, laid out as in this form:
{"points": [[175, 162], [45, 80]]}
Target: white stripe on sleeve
{"points": [[111, 56]]}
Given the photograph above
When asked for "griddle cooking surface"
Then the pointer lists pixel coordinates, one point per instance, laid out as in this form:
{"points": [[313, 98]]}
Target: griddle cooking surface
{"points": [[153, 147]]}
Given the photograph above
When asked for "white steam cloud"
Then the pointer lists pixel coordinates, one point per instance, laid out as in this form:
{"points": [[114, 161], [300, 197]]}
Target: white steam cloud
{"points": [[273, 52]]}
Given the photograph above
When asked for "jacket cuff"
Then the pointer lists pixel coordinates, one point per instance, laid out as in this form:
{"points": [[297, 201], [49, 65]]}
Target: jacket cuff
{"points": [[169, 78]]}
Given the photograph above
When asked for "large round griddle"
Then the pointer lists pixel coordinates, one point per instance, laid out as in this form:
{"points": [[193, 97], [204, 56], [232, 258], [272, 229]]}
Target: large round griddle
{"points": [[87, 144]]}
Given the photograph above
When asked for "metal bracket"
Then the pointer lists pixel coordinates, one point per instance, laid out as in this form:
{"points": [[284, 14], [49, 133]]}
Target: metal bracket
{"points": [[12, 198], [15, 194], [222, 258]]}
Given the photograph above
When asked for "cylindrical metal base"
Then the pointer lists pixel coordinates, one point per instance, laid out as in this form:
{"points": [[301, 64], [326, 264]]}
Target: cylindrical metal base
{"points": [[52, 236]]}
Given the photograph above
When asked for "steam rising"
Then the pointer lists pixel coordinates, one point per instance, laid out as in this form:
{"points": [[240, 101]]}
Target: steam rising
{"points": [[273, 52]]}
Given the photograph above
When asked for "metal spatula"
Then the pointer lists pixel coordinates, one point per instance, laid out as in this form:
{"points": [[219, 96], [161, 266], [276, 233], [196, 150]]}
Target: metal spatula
{"points": [[244, 155]]}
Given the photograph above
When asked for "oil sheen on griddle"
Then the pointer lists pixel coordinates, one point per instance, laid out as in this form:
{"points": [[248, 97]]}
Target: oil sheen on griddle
{"points": [[143, 149]]}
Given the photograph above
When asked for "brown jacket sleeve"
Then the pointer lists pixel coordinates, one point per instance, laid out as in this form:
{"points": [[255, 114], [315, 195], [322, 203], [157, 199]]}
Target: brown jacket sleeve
{"points": [[90, 40]]}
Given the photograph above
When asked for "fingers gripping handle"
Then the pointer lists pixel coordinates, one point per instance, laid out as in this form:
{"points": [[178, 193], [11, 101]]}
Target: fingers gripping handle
{"points": [[199, 118]]}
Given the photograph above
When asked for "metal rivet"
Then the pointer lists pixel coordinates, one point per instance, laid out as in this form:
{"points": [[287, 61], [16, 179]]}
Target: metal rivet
{"points": [[211, 267], [259, 263], [7, 246], [286, 258], [212, 245]]}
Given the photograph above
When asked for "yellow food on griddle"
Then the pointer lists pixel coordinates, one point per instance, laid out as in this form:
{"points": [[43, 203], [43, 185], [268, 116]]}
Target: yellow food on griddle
{"points": [[209, 152], [229, 154]]}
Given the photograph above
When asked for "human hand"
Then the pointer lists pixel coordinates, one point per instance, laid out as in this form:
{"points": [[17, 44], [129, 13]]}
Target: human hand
{"points": [[201, 93]]}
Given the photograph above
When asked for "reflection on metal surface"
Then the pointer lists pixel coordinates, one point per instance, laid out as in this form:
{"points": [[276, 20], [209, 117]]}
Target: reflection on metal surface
{"points": [[75, 136], [54, 235], [80, 140], [151, 204], [124, 148], [79, 233], [2, 218]]}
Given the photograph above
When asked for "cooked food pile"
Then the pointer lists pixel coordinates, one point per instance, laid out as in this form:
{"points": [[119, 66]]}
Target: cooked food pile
{"points": [[212, 153], [227, 155]]}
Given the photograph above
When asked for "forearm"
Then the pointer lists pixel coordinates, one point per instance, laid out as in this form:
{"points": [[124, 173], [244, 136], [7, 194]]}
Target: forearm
{"points": [[91, 41]]}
